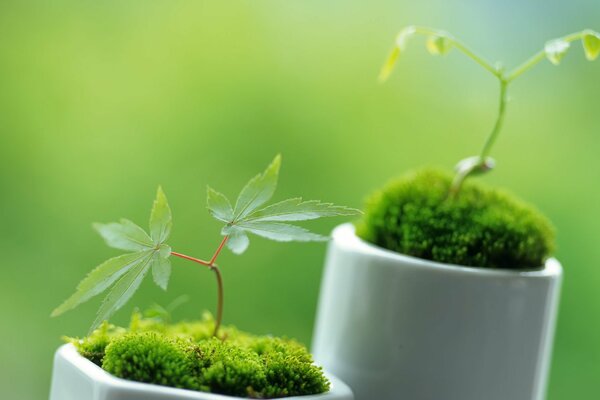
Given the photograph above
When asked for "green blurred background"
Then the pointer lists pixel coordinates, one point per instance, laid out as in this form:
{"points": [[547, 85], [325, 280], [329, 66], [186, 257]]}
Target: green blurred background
{"points": [[102, 101]]}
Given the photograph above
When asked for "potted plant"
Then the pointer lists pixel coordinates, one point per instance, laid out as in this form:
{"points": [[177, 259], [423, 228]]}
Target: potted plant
{"points": [[446, 288], [154, 358]]}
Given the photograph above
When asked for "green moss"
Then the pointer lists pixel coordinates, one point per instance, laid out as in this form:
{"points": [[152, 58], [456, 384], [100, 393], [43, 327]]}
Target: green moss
{"points": [[93, 347], [227, 368], [290, 370], [480, 227], [185, 355], [153, 358]]}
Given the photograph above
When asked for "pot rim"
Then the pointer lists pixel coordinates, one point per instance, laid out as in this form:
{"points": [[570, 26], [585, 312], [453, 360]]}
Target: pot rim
{"points": [[344, 236], [95, 372]]}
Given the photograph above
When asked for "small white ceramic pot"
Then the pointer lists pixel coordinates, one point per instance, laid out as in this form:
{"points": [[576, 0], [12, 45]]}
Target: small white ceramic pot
{"points": [[399, 327], [76, 378]]}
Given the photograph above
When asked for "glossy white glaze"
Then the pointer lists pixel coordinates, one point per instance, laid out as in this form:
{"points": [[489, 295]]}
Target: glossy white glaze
{"points": [[76, 378], [399, 327]]}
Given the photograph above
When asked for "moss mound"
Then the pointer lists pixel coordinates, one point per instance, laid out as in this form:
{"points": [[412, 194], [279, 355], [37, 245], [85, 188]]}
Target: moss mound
{"points": [[184, 355], [153, 358], [480, 227]]}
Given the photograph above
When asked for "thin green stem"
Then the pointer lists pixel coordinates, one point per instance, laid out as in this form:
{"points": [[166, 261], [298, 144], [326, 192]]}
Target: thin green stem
{"points": [[526, 66], [504, 79], [491, 139], [461, 175], [422, 30], [540, 56]]}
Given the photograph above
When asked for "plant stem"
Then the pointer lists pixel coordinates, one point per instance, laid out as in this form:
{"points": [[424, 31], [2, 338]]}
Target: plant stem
{"points": [[219, 317], [540, 56], [213, 267], [422, 30], [504, 79], [487, 147], [526, 66], [197, 260], [218, 251]]}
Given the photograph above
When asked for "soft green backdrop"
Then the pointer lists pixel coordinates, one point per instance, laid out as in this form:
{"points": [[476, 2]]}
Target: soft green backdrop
{"points": [[102, 101]]}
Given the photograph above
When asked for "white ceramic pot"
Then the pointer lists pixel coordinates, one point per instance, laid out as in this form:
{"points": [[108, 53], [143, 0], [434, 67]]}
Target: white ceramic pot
{"points": [[76, 378], [399, 327]]}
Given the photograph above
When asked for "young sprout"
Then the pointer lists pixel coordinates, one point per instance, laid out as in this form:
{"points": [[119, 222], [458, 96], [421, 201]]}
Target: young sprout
{"points": [[440, 43], [124, 274]]}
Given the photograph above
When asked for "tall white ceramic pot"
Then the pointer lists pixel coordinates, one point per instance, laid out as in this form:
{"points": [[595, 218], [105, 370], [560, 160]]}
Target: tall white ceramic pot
{"points": [[399, 327]]}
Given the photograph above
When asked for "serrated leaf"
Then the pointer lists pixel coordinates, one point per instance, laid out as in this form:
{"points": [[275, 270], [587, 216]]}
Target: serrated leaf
{"points": [[219, 206], [122, 291], [124, 235], [258, 190], [100, 278], [281, 232], [390, 62], [556, 49], [298, 210], [238, 241], [161, 270], [160, 218], [266, 222], [164, 250], [591, 44], [438, 45]]}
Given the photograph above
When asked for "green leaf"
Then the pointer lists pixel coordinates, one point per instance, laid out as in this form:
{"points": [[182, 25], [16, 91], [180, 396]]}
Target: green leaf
{"points": [[100, 278], [122, 291], [399, 47], [556, 50], [280, 232], [238, 241], [387, 68], [591, 44], [164, 250], [438, 45], [298, 210], [258, 190], [266, 222], [160, 218], [161, 270], [124, 235], [219, 206]]}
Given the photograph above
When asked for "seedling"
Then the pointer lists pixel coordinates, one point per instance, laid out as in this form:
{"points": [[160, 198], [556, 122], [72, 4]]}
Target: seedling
{"points": [[440, 43], [123, 274]]}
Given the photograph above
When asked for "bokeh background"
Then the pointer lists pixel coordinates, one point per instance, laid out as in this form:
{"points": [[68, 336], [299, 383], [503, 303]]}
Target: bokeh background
{"points": [[102, 101]]}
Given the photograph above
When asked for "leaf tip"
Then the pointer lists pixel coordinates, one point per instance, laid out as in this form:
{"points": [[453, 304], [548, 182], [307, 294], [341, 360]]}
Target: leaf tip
{"points": [[276, 161], [160, 193], [591, 44], [388, 67]]}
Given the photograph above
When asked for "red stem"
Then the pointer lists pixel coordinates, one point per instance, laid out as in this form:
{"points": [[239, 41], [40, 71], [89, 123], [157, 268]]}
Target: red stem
{"points": [[212, 266], [199, 261], [217, 272], [214, 257]]}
